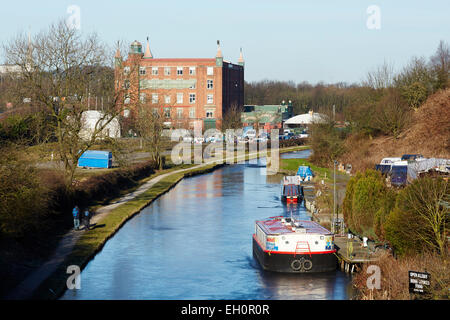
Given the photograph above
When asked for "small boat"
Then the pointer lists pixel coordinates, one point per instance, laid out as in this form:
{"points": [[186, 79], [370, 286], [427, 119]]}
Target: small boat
{"points": [[305, 173], [284, 244], [292, 190]]}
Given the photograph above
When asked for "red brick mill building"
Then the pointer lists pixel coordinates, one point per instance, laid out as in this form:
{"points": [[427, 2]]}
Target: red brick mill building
{"points": [[183, 90]]}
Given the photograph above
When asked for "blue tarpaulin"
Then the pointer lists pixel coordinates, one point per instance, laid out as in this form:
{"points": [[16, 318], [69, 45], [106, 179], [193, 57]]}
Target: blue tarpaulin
{"points": [[95, 159], [304, 172]]}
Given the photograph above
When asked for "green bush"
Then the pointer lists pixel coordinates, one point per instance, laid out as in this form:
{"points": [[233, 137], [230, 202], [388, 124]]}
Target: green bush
{"points": [[348, 199], [366, 204]]}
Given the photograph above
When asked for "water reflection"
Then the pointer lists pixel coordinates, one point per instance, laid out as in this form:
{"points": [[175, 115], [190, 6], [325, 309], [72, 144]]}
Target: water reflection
{"points": [[195, 243]]}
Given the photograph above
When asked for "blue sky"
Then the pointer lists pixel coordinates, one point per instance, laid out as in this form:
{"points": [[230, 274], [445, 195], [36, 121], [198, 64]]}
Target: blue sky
{"points": [[282, 40]]}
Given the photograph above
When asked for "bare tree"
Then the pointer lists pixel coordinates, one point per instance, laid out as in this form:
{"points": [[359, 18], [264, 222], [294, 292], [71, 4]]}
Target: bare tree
{"points": [[392, 114], [150, 125], [232, 118], [440, 62], [381, 77], [59, 69]]}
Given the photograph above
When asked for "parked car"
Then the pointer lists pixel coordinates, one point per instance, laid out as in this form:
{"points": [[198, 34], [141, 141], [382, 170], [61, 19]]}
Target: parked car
{"points": [[199, 140]]}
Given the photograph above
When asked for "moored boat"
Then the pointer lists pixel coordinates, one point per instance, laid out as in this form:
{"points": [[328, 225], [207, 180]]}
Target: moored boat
{"points": [[284, 244], [292, 191]]}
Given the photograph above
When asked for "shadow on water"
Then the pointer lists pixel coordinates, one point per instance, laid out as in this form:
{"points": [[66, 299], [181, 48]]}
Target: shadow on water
{"points": [[195, 242]]}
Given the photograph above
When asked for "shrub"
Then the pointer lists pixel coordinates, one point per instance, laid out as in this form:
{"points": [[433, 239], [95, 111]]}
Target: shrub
{"points": [[367, 202], [327, 143], [22, 200], [108, 185], [291, 142], [394, 277], [420, 218]]}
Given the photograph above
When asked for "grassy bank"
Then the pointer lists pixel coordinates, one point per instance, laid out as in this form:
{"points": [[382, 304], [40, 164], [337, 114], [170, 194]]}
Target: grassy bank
{"points": [[290, 166]]}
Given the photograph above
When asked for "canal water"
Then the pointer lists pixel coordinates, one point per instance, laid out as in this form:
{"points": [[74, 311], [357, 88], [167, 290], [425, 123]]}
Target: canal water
{"points": [[195, 242]]}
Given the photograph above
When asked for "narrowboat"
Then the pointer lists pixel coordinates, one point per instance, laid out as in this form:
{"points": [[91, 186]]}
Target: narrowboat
{"points": [[282, 244], [292, 190]]}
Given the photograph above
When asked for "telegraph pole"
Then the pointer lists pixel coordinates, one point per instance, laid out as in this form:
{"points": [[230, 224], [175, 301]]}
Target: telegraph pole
{"points": [[334, 195], [334, 181]]}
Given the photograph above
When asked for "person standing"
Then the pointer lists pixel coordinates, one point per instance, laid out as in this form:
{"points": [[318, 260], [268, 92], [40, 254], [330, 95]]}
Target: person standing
{"points": [[87, 219], [76, 217]]}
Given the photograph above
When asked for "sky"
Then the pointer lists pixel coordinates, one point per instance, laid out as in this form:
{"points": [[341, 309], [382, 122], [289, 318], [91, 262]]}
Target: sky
{"points": [[286, 40]]}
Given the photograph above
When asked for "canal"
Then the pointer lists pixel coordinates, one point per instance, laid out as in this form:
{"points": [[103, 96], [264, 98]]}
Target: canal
{"points": [[195, 242]]}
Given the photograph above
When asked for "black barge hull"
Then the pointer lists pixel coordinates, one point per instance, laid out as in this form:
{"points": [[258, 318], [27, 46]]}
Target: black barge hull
{"points": [[300, 263]]}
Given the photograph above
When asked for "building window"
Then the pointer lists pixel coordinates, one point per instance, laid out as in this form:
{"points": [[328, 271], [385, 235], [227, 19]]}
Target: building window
{"points": [[154, 98], [209, 84], [126, 70], [192, 70], [209, 99], [167, 71], [126, 84], [192, 98], [167, 99], [127, 99], [192, 113], [192, 86], [179, 98], [167, 112], [142, 97], [155, 112], [155, 71], [180, 113], [179, 71], [209, 114], [142, 71], [209, 71]]}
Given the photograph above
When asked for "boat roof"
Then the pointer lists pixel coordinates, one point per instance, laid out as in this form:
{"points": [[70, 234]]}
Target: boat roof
{"points": [[291, 180], [284, 225]]}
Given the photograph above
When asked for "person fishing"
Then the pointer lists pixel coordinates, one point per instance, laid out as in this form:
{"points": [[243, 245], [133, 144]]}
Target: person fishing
{"points": [[76, 217]]}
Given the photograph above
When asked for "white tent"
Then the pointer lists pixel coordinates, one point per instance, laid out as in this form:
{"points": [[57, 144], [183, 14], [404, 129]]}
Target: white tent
{"points": [[91, 118], [305, 119]]}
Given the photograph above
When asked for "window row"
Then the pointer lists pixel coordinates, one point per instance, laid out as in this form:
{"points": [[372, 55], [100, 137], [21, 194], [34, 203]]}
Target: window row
{"points": [[167, 98], [168, 70], [180, 113], [209, 85]]}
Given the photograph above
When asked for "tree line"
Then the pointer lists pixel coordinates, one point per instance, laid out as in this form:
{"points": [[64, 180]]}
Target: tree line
{"points": [[381, 105]]}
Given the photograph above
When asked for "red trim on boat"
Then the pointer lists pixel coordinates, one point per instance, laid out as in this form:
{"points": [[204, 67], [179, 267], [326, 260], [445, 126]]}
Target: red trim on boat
{"points": [[289, 252]]}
